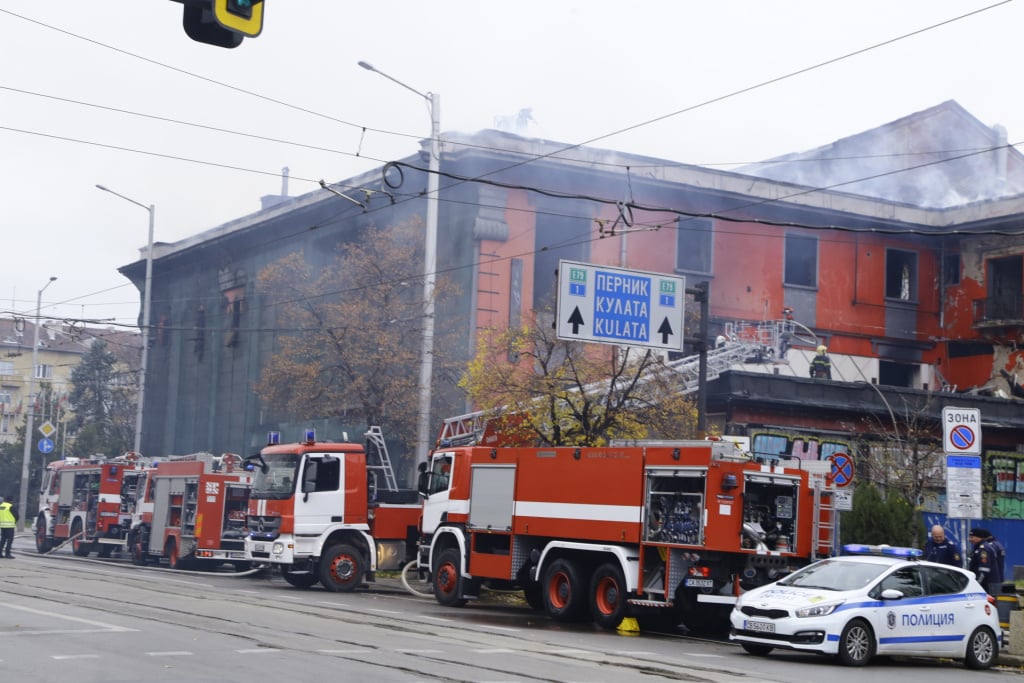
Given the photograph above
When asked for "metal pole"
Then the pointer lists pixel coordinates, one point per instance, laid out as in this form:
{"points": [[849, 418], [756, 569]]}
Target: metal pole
{"points": [[146, 301], [423, 439], [27, 454]]}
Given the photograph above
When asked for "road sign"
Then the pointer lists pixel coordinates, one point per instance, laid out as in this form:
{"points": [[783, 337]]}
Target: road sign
{"points": [[45, 445], [961, 431], [842, 469], [842, 500], [623, 307], [47, 429], [963, 486]]}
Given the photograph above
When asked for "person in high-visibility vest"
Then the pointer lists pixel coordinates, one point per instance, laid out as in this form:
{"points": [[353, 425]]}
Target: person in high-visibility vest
{"points": [[8, 520]]}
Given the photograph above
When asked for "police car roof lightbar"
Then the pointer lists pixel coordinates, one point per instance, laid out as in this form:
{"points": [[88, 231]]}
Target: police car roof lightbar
{"points": [[884, 550]]}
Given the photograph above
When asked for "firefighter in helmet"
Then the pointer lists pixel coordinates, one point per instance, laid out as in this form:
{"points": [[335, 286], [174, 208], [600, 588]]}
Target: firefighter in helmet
{"points": [[821, 366]]}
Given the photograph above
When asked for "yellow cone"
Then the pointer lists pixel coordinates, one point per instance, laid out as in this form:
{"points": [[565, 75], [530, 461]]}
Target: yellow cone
{"points": [[628, 627]]}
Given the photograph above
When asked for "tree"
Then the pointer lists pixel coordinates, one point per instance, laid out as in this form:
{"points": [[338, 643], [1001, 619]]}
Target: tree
{"points": [[877, 520], [104, 407], [559, 393], [351, 331]]}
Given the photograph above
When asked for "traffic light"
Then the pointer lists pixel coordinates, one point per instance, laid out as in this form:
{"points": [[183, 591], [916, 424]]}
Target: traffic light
{"points": [[240, 16], [224, 23]]}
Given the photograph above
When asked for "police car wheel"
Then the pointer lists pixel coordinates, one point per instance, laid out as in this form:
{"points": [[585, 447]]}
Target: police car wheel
{"points": [[856, 643], [981, 649]]}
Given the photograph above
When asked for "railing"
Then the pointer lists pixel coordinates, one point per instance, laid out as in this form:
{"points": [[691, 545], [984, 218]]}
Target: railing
{"points": [[1006, 307]]}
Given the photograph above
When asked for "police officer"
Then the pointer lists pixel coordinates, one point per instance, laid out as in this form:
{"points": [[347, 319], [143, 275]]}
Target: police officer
{"points": [[821, 366], [8, 520], [984, 562], [938, 548]]}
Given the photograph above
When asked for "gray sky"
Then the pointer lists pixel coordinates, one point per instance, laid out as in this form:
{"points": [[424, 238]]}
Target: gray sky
{"points": [[669, 79]]}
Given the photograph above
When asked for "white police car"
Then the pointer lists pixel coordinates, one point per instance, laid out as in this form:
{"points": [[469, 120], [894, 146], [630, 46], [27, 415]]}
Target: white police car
{"points": [[876, 600]]}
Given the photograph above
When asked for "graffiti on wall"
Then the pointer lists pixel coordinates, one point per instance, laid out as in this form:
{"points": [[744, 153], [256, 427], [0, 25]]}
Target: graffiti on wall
{"points": [[772, 446], [1006, 477]]}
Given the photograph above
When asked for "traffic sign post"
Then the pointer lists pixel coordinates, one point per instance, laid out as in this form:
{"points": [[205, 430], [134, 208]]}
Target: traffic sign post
{"points": [[842, 470], [623, 307], [963, 486], [45, 445]]}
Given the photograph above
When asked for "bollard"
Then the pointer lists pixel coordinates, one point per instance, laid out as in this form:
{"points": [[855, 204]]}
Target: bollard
{"points": [[1007, 602]]}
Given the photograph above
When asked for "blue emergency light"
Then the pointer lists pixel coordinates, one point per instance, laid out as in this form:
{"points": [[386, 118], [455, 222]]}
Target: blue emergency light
{"points": [[310, 435], [273, 438], [884, 550]]}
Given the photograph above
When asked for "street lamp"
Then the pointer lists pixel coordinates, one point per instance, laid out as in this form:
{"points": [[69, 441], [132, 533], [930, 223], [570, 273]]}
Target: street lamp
{"points": [[429, 263], [146, 298], [27, 454]]}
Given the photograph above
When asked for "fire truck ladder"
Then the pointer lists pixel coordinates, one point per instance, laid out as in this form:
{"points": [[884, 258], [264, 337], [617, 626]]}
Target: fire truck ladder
{"points": [[823, 530], [720, 359], [376, 437]]}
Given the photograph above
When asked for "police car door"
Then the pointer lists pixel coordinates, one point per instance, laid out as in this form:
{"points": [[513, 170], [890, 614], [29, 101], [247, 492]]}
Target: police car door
{"points": [[905, 624]]}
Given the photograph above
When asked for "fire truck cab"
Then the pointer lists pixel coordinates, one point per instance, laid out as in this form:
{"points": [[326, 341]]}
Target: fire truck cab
{"points": [[320, 512], [197, 505], [672, 533], [92, 501]]}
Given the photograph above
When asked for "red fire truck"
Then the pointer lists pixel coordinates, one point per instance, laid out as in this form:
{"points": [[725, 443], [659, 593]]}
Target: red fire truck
{"points": [[670, 532], [319, 510], [92, 501], [196, 506]]}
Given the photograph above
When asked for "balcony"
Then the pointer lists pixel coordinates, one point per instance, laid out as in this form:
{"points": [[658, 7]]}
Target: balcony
{"points": [[1000, 318]]}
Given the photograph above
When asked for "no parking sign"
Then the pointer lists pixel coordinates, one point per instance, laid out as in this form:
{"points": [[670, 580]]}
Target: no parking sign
{"points": [[961, 431]]}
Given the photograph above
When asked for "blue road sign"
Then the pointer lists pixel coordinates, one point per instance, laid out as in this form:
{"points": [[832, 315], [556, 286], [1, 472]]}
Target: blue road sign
{"points": [[45, 445], [842, 469], [616, 306]]}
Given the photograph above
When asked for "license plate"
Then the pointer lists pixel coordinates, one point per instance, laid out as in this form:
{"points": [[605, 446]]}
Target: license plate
{"points": [[259, 547], [762, 626], [700, 583]]}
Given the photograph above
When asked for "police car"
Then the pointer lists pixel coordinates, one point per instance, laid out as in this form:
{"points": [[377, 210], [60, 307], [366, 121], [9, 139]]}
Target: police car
{"points": [[872, 600]]}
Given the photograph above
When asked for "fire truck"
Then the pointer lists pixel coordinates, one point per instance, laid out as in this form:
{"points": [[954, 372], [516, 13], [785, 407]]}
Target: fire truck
{"points": [[92, 501], [671, 533], [194, 509], [325, 511]]}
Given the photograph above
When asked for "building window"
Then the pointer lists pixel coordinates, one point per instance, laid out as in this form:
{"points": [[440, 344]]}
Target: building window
{"points": [[900, 275], [5, 423], [801, 260], [693, 245], [6, 367], [951, 269], [44, 371]]}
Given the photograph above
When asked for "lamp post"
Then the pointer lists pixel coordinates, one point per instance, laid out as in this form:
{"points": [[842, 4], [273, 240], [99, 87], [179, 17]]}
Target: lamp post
{"points": [[429, 264], [27, 454], [146, 299]]}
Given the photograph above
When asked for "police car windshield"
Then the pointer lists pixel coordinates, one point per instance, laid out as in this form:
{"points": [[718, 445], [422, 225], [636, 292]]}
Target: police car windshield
{"points": [[835, 576], [278, 482]]}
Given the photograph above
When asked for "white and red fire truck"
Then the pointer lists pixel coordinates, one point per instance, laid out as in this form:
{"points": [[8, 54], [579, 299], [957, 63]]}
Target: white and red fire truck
{"points": [[92, 501], [670, 532], [318, 510], [194, 509]]}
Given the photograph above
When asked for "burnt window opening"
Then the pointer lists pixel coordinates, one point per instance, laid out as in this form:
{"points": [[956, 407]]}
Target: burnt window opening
{"points": [[801, 261], [901, 275], [951, 269], [694, 238]]}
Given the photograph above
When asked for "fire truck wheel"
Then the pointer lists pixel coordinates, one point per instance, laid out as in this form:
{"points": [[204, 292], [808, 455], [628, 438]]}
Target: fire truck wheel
{"points": [[43, 543], [608, 596], [341, 568], [302, 579], [564, 592], [105, 550], [448, 579], [78, 546], [534, 595]]}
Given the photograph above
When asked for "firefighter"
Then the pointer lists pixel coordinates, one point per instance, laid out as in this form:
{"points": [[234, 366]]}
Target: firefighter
{"points": [[984, 563], [8, 520], [821, 366], [940, 549]]}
